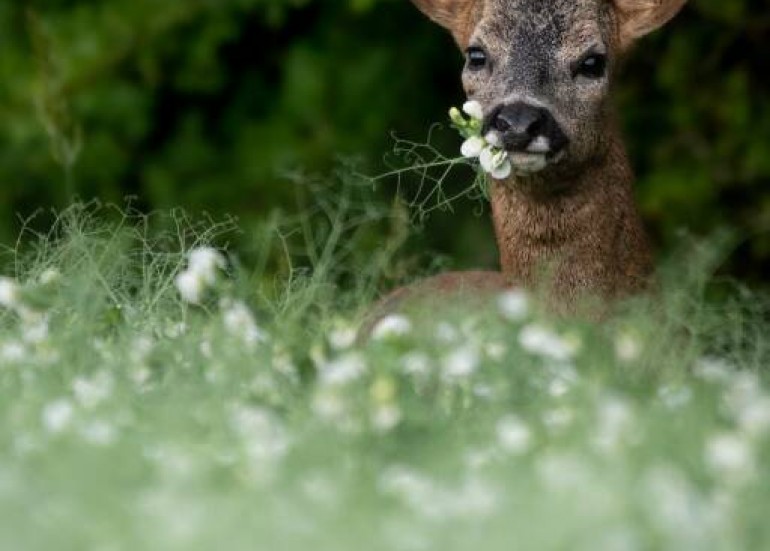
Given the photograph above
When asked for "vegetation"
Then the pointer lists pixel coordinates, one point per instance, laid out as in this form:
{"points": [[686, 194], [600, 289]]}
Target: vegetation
{"points": [[131, 418], [209, 105], [175, 381]]}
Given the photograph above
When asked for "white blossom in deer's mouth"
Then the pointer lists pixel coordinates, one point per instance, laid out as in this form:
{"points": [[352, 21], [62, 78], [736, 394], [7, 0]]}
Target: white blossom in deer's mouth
{"points": [[494, 160]]}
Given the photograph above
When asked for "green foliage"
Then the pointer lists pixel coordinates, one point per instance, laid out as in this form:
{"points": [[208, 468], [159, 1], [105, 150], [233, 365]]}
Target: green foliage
{"points": [[130, 419], [208, 104]]}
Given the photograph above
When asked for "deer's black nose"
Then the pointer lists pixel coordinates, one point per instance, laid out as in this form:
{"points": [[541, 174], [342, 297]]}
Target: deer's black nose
{"points": [[527, 128]]}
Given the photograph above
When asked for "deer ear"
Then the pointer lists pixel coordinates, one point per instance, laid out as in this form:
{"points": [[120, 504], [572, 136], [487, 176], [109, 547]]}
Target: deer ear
{"points": [[454, 15], [637, 18]]}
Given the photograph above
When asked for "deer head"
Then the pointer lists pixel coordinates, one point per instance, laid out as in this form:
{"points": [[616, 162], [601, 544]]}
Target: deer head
{"points": [[542, 70]]}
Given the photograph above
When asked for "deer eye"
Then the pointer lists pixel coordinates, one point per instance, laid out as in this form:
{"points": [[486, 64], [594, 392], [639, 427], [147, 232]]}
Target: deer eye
{"points": [[477, 58], [593, 66]]}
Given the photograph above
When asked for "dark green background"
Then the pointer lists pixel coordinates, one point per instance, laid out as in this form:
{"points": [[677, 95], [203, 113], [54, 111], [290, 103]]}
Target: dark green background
{"points": [[206, 104]]}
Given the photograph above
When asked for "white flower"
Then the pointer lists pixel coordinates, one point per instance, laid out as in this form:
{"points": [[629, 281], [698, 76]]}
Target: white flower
{"points": [[239, 321], [472, 147], [264, 435], [91, 392], [754, 417], [98, 433], [328, 404], [57, 415], [544, 342], [49, 276], [628, 348], [392, 326], [714, 370], [386, 417], [342, 370], [513, 435], [206, 261], [496, 163], [474, 110], [9, 292], [12, 352], [461, 363], [35, 330], [191, 286], [416, 364], [730, 455], [342, 337], [514, 305], [614, 422]]}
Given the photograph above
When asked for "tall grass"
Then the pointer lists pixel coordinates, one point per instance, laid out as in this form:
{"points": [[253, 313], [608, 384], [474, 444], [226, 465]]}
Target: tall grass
{"points": [[130, 419]]}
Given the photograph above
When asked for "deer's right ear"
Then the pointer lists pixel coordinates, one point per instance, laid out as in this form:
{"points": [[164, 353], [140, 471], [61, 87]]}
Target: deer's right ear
{"points": [[450, 14]]}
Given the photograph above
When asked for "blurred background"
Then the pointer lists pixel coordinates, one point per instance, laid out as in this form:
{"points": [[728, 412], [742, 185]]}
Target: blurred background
{"points": [[208, 105]]}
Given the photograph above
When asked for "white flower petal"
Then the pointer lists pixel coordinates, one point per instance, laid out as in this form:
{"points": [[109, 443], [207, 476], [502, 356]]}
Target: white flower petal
{"points": [[503, 171], [486, 158], [473, 146], [9, 292], [206, 262], [191, 286], [474, 109]]}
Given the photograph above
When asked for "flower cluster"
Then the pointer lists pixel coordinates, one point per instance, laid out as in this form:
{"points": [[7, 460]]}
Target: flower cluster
{"points": [[201, 274], [494, 160]]}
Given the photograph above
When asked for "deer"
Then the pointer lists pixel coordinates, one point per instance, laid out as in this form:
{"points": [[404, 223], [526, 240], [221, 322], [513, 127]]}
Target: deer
{"points": [[542, 71]]}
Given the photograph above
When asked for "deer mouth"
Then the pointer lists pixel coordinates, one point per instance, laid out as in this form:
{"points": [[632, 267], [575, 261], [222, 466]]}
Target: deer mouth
{"points": [[528, 163]]}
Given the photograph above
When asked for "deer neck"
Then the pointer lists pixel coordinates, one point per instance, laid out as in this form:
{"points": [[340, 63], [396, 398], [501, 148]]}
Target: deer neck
{"points": [[581, 232]]}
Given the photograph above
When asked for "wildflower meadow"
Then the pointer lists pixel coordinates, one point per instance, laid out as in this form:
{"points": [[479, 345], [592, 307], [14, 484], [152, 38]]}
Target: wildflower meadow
{"points": [[152, 398]]}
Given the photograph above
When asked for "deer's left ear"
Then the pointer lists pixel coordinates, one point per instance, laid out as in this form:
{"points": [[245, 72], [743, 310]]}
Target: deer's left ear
{"points": [[637, 18]]}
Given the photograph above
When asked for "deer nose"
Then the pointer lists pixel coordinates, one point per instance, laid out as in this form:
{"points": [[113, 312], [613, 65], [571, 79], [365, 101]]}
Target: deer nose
{"points": [[526, 128]]}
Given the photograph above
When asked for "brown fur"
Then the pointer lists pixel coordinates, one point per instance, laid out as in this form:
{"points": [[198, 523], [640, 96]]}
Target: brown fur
{"points": [[576, 220]]}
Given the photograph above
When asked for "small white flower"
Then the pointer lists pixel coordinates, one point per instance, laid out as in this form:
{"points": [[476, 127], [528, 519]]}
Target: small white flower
{"points": [[57, 415], [392, 326], [496, 163], [191, 286], [513, 435], [98, 433], [239, 321], [493, 139], [628, 348], [461, 363], [342, 370], [754, 417], [35, 331], [328, 404], [495, 351], [544, 342], [90, 392], [613, 423], [514, 305], [730, 455], [49, 276], [12, 352], [474, 110], [472, 147], [416, 364], [206, 262], [9, 293], [342, 337], [714, 370], [386, 417]]}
